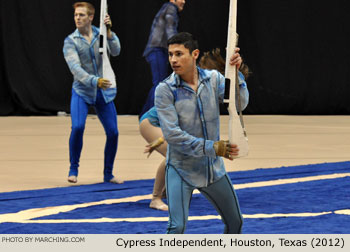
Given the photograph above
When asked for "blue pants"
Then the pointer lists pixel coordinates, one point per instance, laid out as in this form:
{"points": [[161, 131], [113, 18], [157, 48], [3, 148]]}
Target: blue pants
{"points": [[158, 60], [107, 114], [221, 194]]}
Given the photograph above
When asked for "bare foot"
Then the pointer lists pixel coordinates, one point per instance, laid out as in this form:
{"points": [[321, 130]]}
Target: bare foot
{"points": [[72, 179], [158, 204], [116, 181]]}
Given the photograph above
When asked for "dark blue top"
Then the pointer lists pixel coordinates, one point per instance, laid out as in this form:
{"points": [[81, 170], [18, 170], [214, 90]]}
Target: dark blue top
{"points": [[164, 26]]}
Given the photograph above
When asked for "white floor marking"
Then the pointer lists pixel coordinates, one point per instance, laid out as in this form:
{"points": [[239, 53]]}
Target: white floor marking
{"points": [[26, 216]]}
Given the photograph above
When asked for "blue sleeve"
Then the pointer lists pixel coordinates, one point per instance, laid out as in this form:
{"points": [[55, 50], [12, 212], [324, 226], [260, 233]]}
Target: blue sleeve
{"points": [[174, 135], [72, 58], [114, 45], [171, 19], [243, 90]]}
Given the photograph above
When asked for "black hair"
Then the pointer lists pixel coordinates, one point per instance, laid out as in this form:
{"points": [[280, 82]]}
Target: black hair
{"points": [[186, 39]]}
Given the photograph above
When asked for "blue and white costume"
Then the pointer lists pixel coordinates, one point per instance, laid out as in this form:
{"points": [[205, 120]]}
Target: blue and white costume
{"points": [[190, 122], [85, 63]]}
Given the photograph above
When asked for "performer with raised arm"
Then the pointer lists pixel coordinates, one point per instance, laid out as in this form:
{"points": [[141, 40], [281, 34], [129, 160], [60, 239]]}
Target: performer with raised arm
{"points": [[187, 104], [90, 88]]}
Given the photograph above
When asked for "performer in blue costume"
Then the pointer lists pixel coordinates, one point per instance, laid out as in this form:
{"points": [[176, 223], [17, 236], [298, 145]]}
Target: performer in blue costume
{"points": [[151, 132], [81, 52], [187, 104], [164, 26]]}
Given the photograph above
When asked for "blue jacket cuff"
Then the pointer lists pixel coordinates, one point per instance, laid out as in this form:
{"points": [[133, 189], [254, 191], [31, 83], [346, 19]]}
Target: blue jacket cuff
{"points": [[94, 81], [209, 148]]}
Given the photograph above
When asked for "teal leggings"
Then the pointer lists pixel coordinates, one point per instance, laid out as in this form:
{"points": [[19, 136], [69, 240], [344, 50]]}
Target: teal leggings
{"points": [[221, 194]]}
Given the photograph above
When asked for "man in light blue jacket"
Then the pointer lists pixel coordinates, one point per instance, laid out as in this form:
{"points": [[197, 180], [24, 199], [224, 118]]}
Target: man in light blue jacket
{"points": [[187, 103], [81, 52]]}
